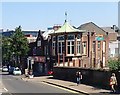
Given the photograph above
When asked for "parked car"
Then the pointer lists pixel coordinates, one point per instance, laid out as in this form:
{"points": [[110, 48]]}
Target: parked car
{"points": [[5, 69], [11, 69], [0, 68], [17, 71], [50, 72]]}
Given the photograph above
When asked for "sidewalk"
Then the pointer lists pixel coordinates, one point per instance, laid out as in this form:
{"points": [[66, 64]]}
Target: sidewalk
{"points": [[82, 88], [2, 87]]}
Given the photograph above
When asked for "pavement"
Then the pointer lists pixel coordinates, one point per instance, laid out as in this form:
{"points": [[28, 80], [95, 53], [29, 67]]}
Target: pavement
{"points": [[82, 88], [2, 87]]}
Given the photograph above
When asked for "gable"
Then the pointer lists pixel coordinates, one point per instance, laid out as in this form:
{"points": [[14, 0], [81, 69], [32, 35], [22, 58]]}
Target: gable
{"points": [[91, 27], [40, 36]]}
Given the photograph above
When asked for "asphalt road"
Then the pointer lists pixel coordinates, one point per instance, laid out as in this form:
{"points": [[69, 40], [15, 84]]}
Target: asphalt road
{"points": [[13, 84]]}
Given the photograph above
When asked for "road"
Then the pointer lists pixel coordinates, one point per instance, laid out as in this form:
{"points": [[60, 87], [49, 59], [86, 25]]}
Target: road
{"points": [[14, 84]]}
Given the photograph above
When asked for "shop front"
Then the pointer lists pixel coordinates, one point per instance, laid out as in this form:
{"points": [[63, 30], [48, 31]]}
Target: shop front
{"points": [[38, 65]]}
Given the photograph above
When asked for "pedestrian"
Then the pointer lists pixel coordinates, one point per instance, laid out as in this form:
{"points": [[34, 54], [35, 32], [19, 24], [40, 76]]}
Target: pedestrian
{"points": [[113, 82], [79, 77]]}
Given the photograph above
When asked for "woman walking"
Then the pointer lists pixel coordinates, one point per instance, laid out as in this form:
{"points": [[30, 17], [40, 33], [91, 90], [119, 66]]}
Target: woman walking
{"points": [[113, 82]]}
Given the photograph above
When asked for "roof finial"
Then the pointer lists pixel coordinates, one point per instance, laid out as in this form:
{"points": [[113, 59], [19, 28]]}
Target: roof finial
{"points": [[65, 16]]}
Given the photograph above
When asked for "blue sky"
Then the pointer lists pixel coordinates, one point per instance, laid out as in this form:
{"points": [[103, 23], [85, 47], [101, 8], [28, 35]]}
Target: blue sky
{"points": [[41, 15]]}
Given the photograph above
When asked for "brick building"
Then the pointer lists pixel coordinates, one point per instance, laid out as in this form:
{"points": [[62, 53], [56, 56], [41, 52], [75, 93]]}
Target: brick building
{"points": [[97, 45], [85, 46]]}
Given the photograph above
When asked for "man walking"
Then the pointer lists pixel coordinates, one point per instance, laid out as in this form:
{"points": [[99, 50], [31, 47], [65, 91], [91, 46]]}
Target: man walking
{"points": [[79, 77]]}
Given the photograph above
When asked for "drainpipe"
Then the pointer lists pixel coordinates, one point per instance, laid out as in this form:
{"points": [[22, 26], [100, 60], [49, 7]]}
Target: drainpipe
{"points": [[88, 44]]}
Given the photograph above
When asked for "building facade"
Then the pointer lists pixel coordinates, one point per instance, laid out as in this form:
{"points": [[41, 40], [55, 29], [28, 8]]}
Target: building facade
{"points": [[86, 46], [38, 54], [114, 41]]}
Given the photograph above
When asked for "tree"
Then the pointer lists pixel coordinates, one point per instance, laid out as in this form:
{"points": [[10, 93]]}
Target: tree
{"points": [[19, 45], [6, 49], [114, 65]]}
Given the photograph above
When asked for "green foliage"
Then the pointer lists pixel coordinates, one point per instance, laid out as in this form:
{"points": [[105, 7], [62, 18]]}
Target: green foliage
{"points": [[114, 64], [20, 44], [16, 45], [6, 48]]}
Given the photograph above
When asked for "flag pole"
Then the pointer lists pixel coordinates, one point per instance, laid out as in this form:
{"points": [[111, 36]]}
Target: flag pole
{"points": [[65, 16]]}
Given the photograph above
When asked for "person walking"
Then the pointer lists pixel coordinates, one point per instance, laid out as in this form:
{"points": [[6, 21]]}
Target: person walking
{"points": [[113, 82], [79, 77]]}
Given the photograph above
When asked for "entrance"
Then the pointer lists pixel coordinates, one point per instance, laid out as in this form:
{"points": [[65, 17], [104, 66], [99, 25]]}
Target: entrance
{"points": [[38, 69]]}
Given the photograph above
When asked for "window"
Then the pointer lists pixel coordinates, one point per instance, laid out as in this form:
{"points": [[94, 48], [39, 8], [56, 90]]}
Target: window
{"points": [[70, 37], [79, 44], [45, 53], [34, 51], [53, 39], [98, 44], [60, 47], [78, 47], [78, 36], [70, 44], [53, 45], [39, 43], [61, 37], [84, 45], [93, 48], [116, 52], [103, 46], [60, 44]]}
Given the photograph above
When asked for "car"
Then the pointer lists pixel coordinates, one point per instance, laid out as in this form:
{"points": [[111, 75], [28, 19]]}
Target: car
{"points": [[50, 72], [0, 68], [11, 69], [5, 69], [17, 71]]}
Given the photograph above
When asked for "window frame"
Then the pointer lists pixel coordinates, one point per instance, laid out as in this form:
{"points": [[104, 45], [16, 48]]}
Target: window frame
{"points": [[84, 43], [71, 45], [61, 44]]}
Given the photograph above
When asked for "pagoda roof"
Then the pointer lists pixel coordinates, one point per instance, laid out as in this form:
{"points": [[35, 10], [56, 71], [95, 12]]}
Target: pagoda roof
{"points": [[67, 28]]}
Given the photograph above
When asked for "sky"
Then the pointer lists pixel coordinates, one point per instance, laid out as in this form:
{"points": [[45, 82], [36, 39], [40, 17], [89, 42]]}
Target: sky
{"points": [[41, 15]]}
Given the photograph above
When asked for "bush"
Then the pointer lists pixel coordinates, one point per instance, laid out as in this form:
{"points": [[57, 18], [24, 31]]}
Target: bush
{"points": [[114, 65]]}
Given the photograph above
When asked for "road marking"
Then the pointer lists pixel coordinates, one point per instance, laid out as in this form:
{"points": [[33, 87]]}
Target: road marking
{"points": [[60, 87], [5, 89]]}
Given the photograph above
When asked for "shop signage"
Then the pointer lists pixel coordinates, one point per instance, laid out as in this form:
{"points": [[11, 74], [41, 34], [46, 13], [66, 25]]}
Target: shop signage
{"points": [[99, 38], [39, 59]]}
